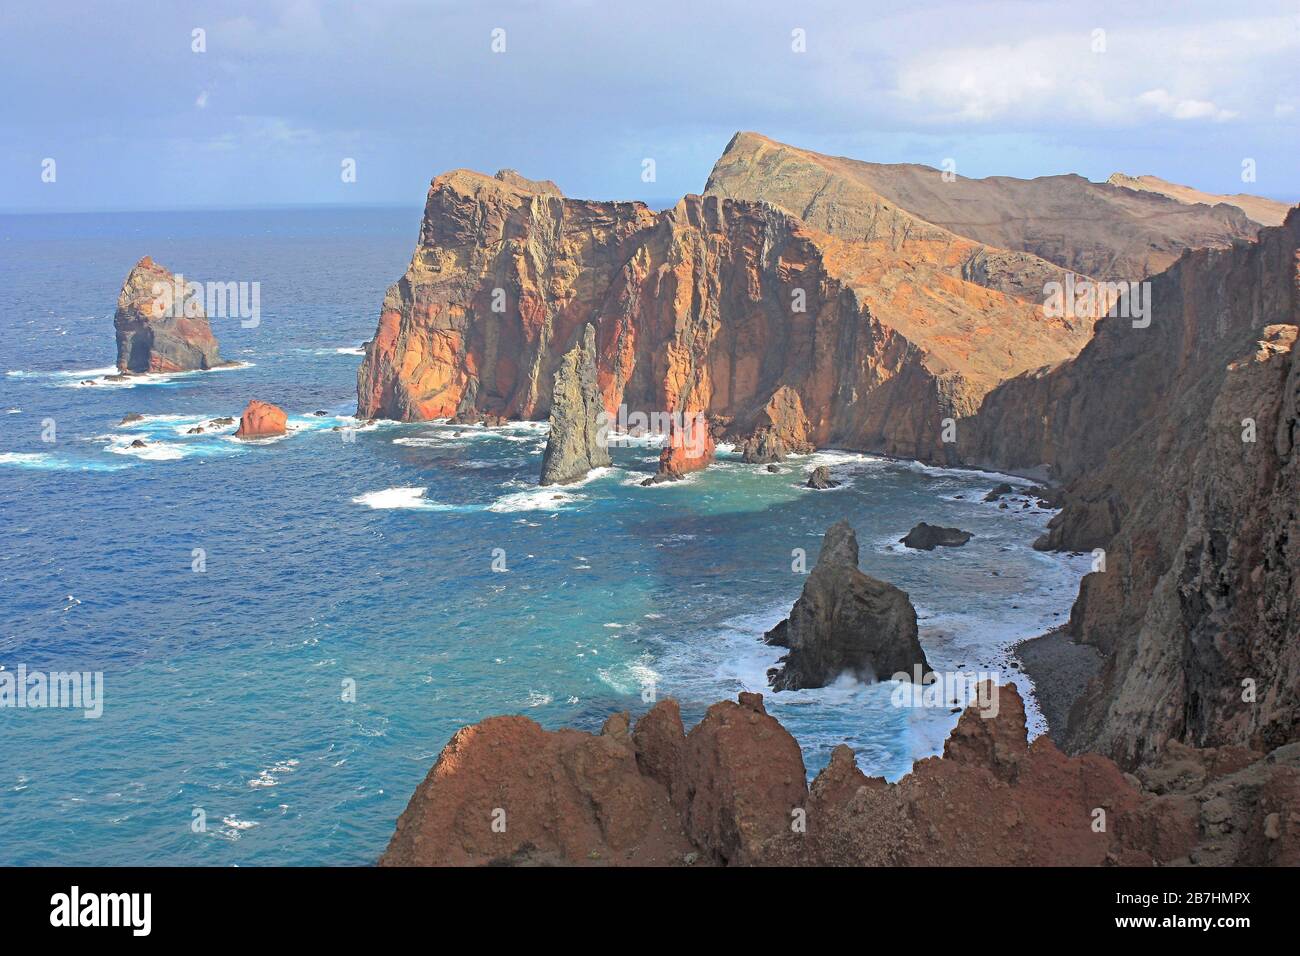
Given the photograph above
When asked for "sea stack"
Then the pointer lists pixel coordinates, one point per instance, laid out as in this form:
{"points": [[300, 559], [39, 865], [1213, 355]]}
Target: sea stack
{"points": [[576, 443], [161, 327], [261, 420], [846, 622]]}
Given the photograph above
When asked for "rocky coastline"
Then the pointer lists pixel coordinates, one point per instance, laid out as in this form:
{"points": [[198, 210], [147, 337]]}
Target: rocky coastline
{"points": [[1166, 436]]}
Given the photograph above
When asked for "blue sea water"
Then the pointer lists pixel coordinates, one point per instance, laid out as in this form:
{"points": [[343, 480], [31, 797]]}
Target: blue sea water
{"points": [[370, 563]]}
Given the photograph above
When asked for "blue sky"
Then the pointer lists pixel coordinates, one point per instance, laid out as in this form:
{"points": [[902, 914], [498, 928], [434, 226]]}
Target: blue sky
{"points": [[585, 91]]}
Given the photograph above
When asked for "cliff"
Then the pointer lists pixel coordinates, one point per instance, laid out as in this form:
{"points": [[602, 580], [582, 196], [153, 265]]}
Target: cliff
{"points": [[1176, 447], [711, 307], [160, 325], [733, 791]]}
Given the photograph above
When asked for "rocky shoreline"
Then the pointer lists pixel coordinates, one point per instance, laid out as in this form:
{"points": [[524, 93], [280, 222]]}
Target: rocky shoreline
{"points": [[1060, 670]]}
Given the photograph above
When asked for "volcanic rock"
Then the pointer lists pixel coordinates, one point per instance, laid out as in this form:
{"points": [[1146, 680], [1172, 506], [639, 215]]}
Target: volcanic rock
{"points": [[261, 420], [927, 537], [845, 622], [577, 441], [159, 331], [821, 479]]}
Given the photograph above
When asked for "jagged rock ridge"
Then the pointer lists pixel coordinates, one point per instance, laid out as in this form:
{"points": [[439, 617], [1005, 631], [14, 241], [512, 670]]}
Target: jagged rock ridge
{"points": [[733, 791]]}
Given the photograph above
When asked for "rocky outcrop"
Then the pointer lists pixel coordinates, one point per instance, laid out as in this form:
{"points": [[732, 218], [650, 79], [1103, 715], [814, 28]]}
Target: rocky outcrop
{"points": [[846, 622], [161, 325], [261, 420], [577, 441], [821, 480], [728, 309], [733, 791], [507, 791], [1175, 445], [1266, 212], [927, 537], [780, 429], [1018, 234]]}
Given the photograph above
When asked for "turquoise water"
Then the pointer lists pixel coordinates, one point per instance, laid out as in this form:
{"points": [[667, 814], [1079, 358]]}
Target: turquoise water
{"points": [[369, 563]]}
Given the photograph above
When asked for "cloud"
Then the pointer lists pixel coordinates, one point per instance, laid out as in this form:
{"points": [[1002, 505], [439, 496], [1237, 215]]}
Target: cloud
{"points": [[1183, 109], [1178, 71], [202, 100]]}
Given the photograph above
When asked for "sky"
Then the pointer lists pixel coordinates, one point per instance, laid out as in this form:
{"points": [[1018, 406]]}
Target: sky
{"points": [[284, 92]]}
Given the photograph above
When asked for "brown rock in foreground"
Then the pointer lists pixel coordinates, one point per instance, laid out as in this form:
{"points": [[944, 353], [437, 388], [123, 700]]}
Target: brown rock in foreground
{"points": [[159, 330], [261, 420], [733, 792]]}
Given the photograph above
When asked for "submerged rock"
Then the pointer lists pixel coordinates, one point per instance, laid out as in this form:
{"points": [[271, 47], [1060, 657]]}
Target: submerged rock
{"points": [[159, 330], [577, 441], [261, 420], [999, 491], [927, 537], [845, 622]]}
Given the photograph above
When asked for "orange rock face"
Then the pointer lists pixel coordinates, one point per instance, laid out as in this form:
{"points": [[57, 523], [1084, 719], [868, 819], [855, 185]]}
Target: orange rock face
{"points": [[733, 792], [261, 420], [710, 307]]}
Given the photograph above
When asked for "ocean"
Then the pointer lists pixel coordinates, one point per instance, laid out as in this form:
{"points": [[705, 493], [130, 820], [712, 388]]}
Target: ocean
{"points": [[290, 631]]}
